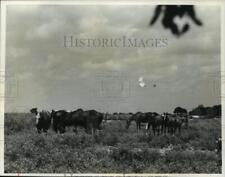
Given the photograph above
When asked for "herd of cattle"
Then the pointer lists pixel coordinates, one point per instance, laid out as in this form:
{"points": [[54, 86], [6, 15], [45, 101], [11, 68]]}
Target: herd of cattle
{"points": [[164, 123], [91, 121]]}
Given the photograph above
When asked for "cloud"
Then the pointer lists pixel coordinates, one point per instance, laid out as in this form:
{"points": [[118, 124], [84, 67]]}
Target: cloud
{"points": [[67, 77]]}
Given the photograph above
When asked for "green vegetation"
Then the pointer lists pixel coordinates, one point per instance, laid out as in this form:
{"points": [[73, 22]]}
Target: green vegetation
{"points": [[112, 150]]}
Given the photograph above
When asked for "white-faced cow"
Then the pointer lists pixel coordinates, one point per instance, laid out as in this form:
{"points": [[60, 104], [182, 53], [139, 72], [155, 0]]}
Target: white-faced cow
{"points": [[43, 120]]}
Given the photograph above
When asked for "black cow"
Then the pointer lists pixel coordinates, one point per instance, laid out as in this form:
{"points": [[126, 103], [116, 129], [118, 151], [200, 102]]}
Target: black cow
{"points": [[149, 117], [139, 118], [173, 123], [157, 122], [59, 120], [43, 120], [89, 120]]}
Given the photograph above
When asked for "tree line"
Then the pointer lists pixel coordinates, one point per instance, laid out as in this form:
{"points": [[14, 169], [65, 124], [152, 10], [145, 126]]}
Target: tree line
{"points": [[201, 110]]}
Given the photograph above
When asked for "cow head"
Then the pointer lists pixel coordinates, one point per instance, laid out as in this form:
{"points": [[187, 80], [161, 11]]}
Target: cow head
{"points": [[34, 111], [53, 113], [154, 114], [80, 110], [37, 115], [127, 124]]}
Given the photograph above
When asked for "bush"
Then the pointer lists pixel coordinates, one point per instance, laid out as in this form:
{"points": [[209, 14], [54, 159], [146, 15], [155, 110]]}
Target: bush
{"points": [[17, 122], [112, 150]]}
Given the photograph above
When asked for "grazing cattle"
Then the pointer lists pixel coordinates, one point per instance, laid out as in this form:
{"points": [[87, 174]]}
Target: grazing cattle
{"points": [[149, 118], [139, 118], [169, 123], [89, 120], [173, 123], [165, 123], [157, 123], [43, 120]]}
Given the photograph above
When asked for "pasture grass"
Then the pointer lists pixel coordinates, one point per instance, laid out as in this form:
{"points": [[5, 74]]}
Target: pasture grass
{"points": [[112, 150]]}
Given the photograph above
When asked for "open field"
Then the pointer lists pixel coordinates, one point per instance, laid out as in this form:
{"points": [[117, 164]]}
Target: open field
{"points": [[113, 150]]}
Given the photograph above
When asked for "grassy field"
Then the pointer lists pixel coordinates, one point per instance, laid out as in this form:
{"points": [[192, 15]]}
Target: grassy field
{"points": [[112, 150]]}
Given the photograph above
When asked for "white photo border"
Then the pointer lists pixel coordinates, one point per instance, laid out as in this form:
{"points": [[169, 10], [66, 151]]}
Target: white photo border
{"points": [[6, 3]]}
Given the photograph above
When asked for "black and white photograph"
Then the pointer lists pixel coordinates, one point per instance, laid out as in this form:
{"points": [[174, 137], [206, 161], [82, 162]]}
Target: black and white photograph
{"points": [[112, 88]]}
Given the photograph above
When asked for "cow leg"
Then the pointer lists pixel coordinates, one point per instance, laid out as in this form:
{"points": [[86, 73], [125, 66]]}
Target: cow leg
{"points": [[62, 129], [153, 128], [149, 126], [164, 131], [179, 129], [38, 130], [88, 129], [146, 128], [93, 131], [99, 127], [161, 129], [175, 130], [75, 130], [55, 129], [171, 130], [158, 131], [137, 124], [139, 127]]}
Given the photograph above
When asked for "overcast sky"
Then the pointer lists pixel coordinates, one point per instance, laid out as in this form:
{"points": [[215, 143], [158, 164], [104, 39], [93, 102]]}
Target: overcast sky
{"points": [[51, 76]]}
